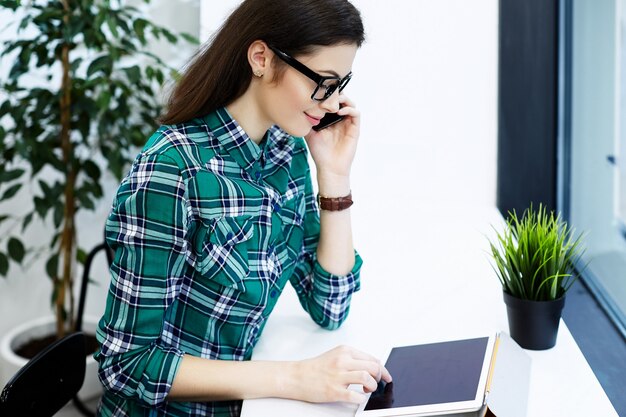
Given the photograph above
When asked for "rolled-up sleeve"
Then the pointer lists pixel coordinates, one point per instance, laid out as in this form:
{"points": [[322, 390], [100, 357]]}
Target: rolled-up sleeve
{"points": [[325, 296], [146, 230]]}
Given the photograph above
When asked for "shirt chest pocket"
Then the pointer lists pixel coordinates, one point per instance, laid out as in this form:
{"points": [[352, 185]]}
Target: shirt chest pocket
{"points": [[292, 212], [221, 249]]}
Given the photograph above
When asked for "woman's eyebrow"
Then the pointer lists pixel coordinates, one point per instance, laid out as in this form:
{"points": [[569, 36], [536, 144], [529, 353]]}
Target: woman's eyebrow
{"points": [[331, 72]]}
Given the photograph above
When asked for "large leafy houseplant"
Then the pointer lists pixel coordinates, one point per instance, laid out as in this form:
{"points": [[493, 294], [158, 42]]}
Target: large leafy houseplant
{"points": [[81, 94], [535, 260]]}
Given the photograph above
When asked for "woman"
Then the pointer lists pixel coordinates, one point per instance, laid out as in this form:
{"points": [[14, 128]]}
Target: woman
{"points": [[218, 213]]}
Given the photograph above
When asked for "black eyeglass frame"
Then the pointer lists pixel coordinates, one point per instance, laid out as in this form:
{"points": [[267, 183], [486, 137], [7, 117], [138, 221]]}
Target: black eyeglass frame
{"points": [[314, 76]]}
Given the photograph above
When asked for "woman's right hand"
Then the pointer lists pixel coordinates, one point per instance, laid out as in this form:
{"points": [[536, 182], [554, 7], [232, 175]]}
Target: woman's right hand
{"points": [[326, 378]]}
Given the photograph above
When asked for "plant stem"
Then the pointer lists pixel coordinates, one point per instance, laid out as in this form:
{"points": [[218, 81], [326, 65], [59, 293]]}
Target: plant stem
{"points": [[67, 238]]}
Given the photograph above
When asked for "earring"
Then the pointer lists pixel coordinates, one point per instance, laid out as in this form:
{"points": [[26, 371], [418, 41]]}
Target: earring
{"points": [[258, 73]]}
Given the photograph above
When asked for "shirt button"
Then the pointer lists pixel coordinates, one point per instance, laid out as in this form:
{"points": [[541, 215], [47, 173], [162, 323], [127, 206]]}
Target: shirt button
{"points": [[273, 293], [257, 175], [276, 208], [229, 236], [270, 248]]}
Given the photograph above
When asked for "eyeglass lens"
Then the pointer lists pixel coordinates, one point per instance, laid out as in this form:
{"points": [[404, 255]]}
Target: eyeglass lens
{"points": [[328, 87]]}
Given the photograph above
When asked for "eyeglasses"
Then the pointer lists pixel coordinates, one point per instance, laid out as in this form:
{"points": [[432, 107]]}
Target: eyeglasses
{"points": [[326, 86]]}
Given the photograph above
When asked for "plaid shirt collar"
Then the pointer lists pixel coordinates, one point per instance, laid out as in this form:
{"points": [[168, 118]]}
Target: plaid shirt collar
{"points": [[233, 138], [238, 144]]}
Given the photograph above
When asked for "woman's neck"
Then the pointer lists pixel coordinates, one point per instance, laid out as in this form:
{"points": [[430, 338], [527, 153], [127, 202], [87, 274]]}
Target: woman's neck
{"points": [[246, 112]]}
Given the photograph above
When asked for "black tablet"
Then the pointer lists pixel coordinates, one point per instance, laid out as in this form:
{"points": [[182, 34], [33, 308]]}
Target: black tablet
{"points": [[433, 378]]}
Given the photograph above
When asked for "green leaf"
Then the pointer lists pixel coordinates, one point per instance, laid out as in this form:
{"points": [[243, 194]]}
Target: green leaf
{"points": [[81, 256], [16, 249], [10, 4], [190, 38], [47, 191], [83, 124], [11, 175], [41, 207], [44, 58], [159, 76], [104, 99], [58, 214], [45, 18], [76, 25], [5, 108], [24, 56], [11, 191], [76, 64], [52, 266], [169, 36], [102, 63], [175, 75], [17, 70], [85, 201], [133, 73], [139, 26], [4, 264], [112, 24], [27, 220], [92, 170], [55, 239]]}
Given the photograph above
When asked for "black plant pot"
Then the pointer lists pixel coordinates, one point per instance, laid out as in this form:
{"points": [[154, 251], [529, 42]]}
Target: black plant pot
{"points": [[533, 324]]}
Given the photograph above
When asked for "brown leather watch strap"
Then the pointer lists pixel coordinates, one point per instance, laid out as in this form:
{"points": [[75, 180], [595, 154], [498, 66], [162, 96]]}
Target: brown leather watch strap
{"points": [[334, 204]]}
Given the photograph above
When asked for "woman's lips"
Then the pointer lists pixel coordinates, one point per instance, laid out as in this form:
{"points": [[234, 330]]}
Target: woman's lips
{"points": [[313, 120]]}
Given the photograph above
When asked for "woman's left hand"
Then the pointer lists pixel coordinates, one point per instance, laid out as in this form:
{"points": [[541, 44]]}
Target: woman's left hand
{"points": [[333, 148]]}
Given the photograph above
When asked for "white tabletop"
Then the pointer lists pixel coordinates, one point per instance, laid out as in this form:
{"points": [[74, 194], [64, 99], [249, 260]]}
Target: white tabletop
{"points": [[428, 282]]}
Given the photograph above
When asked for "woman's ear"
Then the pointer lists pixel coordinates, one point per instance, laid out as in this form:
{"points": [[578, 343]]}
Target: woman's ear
{"points": [[259, 58]]}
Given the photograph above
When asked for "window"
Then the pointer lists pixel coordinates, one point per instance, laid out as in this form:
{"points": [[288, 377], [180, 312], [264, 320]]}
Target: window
{"points": [[593, 131]]}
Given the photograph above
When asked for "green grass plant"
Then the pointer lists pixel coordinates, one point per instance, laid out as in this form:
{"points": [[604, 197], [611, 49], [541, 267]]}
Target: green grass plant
{"points": [[536, 256]]}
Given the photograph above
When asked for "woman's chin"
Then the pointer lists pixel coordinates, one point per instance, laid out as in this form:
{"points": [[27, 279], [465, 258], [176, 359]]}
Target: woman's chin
{"points": [[298, 131]]}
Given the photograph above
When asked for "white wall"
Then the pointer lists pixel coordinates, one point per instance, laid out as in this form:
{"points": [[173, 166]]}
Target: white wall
{"points": [[425, 81]]}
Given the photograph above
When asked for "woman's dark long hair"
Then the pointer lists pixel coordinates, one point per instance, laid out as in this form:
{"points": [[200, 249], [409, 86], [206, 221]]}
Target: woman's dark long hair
{"points": [[220, 72]]}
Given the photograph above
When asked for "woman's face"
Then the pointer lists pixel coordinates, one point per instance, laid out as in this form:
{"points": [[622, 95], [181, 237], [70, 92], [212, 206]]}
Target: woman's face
{"points": [[288, 102]]}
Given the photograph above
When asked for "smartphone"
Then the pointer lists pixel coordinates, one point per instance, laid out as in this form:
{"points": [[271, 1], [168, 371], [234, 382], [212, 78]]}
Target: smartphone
{"points": [[328, 120]]}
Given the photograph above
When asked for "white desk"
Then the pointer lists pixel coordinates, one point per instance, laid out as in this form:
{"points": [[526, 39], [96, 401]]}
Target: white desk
{"points": [[452, 293]]}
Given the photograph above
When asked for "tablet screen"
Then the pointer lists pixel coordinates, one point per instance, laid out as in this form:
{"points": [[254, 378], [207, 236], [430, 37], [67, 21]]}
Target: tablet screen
{"points": [[434, 373]]}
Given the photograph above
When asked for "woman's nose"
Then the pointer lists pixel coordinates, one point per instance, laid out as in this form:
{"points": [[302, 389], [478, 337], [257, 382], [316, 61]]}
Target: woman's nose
{"points": [[331, 104]]}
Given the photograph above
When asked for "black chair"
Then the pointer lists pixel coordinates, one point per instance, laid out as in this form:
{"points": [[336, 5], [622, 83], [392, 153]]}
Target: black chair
{"points": [[48, 381], [53, 377], [78, 403]]}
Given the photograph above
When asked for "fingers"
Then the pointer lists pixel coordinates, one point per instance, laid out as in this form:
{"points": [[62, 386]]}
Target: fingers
{"points": [[348, 107], [361, 378], [349, 111], [367, 362], [353, 397], [330, 375], [374, 368], [385, 375], [344, 100]]}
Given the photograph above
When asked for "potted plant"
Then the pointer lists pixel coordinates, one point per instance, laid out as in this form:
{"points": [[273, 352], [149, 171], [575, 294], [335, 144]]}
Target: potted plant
{"points": [[535, 260], [80, 97]]}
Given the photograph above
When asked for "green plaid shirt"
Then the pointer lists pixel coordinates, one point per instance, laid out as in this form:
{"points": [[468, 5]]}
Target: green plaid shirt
{"points": [[207, 228]]}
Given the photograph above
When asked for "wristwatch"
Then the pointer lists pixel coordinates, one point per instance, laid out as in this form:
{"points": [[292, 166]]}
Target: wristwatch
{"points": [[336, 203]]}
